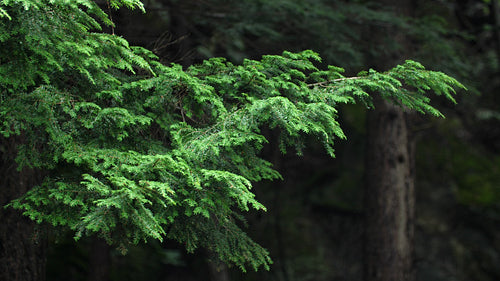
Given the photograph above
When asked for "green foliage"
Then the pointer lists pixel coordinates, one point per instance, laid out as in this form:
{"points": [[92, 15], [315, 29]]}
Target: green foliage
{"points": [[133, 149]]}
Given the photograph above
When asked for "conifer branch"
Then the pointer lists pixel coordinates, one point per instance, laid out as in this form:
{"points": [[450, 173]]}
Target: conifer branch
{"points": [[132, 149]]}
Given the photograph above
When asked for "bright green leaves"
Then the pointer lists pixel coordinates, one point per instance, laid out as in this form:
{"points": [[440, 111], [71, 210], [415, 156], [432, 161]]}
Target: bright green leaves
{"points": [[407, 84], [272, 76], [114, 121], [236, 186], [88, 5], [174, 155], [4, 13], [131, 4], [117, 189], [51, 42], [418, 82]]}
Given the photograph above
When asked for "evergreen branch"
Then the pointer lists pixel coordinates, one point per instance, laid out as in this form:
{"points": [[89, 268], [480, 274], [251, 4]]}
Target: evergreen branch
{"points": [[121, 145]]}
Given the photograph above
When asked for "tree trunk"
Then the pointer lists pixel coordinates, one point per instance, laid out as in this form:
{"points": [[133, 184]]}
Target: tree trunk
{"points": [[22, 246], [99, 260], [389, 197], [218, 270], [495, 14]]}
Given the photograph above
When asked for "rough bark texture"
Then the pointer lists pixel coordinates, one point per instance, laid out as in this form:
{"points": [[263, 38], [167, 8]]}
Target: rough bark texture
{"points": [[22, 245], [389, 197]]}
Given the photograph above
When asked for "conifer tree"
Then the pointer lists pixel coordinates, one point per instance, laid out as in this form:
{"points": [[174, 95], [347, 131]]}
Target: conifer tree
{"points": [[132, 150]]}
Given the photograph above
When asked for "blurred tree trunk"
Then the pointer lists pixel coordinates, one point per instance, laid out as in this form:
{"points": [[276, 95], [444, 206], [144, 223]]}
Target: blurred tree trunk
{"points": [[22, 247], [217, 269], [495, 14], [389, 195], [99, 260]]}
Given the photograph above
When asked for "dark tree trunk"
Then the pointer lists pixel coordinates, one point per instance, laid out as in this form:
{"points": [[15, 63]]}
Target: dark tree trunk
{"points": [[99, 260], [389, 197], [495, 14], [218, 270], [22, 244]]}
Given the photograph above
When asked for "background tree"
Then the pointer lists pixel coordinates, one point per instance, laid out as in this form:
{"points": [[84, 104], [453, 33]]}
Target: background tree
{"points": [[389, 194]]}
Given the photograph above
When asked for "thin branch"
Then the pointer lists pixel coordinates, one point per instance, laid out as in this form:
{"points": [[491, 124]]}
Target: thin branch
{"points": [[111, 19], [324, 83]]}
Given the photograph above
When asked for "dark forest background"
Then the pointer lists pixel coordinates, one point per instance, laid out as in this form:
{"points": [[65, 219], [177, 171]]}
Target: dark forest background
{"points": [[313, 226]]}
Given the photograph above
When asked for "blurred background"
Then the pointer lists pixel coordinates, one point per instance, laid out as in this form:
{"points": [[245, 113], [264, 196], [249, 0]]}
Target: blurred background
{"points": [[313, 226]]}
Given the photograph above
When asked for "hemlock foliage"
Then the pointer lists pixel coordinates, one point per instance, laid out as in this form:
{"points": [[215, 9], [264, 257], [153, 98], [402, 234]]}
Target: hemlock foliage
{"points": [[132, 149]]}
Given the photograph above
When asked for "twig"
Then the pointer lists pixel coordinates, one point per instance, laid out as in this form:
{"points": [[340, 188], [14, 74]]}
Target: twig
{"points": [[111, 19], [334, 80]]}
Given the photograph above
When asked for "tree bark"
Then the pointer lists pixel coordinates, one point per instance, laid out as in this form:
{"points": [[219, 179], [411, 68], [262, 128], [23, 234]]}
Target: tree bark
{"points": [[389, 197], [22, 244]]}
